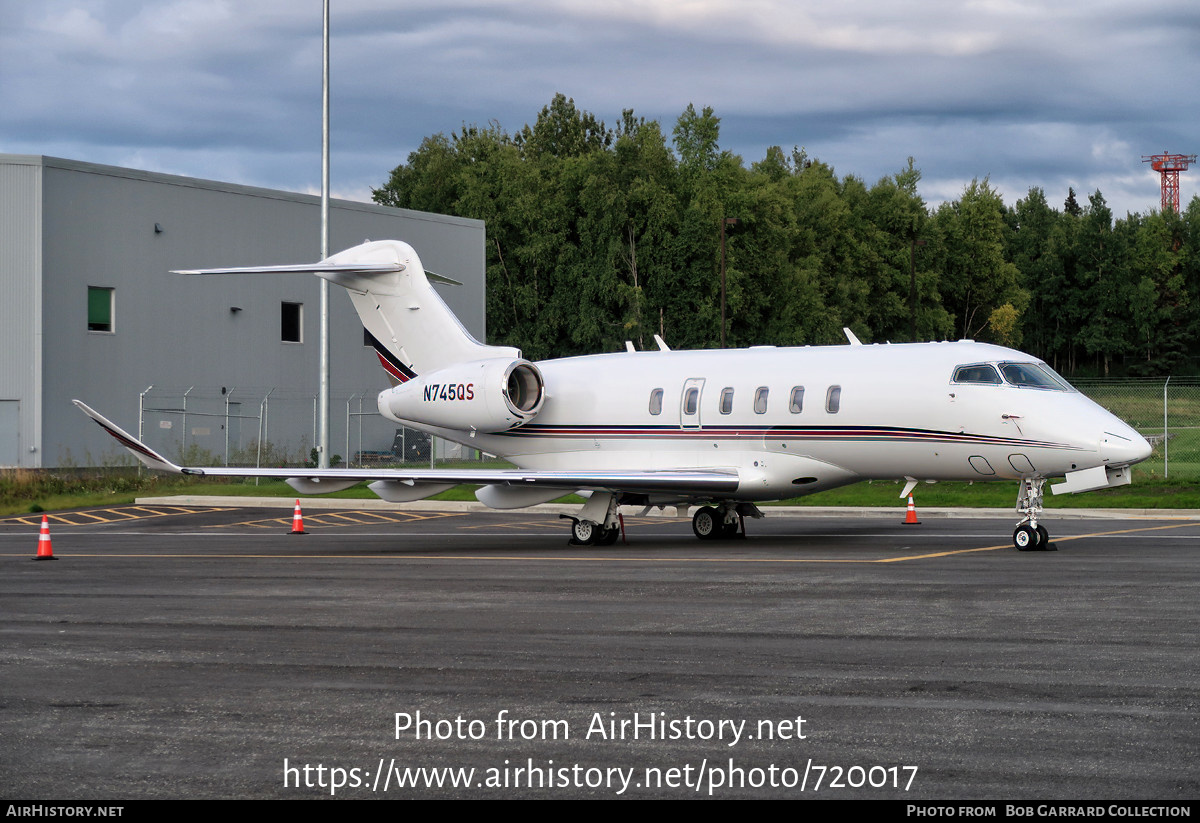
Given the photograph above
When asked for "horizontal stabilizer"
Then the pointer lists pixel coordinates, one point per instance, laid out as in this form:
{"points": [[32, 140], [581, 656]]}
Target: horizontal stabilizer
{"points": [[322, 268], [303, 268]]}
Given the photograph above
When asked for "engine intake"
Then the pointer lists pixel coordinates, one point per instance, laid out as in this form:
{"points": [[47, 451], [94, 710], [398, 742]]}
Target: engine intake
{"points": [[484, 395]]}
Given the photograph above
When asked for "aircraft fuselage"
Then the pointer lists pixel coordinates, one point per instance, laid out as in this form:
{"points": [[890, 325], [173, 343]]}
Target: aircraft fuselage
{"points": [[793, 421]]}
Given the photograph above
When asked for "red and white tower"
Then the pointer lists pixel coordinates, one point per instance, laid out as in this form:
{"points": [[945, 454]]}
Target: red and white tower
{"points": [[1169, 166]]}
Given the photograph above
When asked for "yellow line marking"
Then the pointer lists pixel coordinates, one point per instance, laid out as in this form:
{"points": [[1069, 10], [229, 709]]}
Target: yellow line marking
{"points": [[95, 517], [322, 519], [122, 514]]}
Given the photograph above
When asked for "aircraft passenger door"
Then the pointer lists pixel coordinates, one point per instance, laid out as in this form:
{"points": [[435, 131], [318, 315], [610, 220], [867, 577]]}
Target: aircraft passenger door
{"points": [[689, 403]]}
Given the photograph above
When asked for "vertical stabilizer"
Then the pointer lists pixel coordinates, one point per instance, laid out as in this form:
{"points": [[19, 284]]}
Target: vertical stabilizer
{"points": [[411, 327]]}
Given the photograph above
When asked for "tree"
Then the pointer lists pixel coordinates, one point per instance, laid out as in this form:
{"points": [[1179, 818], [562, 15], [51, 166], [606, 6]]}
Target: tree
{"points": [[562, 131], [1159, 302], [1104, 291], [977, 277], [1031, 225]]}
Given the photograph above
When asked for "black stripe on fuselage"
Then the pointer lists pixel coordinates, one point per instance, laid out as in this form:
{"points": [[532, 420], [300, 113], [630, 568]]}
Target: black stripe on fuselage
{"points": [[390, 362]]}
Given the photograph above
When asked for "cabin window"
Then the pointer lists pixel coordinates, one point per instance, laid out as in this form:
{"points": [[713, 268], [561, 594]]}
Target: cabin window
{"points": [[690, 401], [977, 373], [291, 321], [656, 397], [100, 309], [833, 399], [760, 400], [726, 400], [796, 404]]}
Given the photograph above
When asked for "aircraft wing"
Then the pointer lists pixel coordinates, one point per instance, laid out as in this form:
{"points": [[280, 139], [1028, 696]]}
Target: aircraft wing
{"points": [[699, 482]]}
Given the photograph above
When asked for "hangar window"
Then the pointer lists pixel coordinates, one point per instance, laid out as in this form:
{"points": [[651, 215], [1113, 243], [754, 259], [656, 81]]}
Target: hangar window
{"points": [[100, 309], [291, 321], [726, 400], [760, 400], [833, 399], [656, 401], [796, 404]]}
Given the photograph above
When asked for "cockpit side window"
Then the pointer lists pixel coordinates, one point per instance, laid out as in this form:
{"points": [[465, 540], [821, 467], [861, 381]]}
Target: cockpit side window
{"points": [[1033, 376], [978, 373]]}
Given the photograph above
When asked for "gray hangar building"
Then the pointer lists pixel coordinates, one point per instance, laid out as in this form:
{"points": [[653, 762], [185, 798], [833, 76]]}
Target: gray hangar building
{"points": [[208, 369]]}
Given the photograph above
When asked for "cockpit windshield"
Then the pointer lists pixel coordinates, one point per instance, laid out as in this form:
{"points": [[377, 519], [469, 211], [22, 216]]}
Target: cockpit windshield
{"points": [[1021, 375], [1033, 376]]}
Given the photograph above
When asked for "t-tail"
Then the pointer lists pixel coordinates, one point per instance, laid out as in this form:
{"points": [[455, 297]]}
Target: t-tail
{"points": [[421, 344]]}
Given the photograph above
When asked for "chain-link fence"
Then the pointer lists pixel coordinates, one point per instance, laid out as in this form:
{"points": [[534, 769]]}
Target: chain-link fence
{"points": [[272, 427], [1167, 413]]}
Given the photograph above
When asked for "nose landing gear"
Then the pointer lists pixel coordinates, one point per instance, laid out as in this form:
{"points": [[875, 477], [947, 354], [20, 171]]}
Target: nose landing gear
{"points": [[1029, 535]]}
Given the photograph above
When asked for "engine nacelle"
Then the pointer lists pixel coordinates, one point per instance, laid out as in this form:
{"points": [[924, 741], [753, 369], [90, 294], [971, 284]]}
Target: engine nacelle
{"points": [[484, 395]]}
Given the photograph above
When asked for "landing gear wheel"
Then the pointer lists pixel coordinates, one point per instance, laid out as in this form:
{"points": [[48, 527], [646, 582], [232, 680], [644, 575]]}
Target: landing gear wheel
{"points": [[584, 532], [1044, 542], [608, 536], [729, 530], [706, 523], [1028, 539]]}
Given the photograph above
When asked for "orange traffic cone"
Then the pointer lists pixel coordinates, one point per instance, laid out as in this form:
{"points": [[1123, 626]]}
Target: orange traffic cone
{"points": [[910, 519], [298, 521], [45, 550]]}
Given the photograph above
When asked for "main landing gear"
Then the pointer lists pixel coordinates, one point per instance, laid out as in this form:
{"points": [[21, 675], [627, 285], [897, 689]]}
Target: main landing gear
{"points": [[599, 522], [587, 533], [723, 522], [1030, 536]]}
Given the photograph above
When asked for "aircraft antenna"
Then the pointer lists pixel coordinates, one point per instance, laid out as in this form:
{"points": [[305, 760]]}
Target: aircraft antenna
{"points": [[1168, 166]]}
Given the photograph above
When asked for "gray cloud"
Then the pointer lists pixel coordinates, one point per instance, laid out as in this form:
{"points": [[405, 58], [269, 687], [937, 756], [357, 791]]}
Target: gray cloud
{"points": [[1026, 93]]}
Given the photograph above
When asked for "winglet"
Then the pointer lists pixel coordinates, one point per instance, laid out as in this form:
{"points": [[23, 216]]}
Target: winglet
{"points": [[851, 336], [140, 450]]}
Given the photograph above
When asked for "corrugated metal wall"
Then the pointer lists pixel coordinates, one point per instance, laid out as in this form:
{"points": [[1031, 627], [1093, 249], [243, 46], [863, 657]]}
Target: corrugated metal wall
{"points": [[125, 230], [20, 312]]}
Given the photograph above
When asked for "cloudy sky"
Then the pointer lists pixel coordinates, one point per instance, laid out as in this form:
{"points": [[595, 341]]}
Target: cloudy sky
{"points": [[1050, 93]]}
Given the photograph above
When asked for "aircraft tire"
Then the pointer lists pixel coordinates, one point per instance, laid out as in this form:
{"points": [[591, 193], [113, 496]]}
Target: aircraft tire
{"points": [[1026, 539], [584, 532], [608, 536], [706, 523], [1044, 537], [729, 530]]}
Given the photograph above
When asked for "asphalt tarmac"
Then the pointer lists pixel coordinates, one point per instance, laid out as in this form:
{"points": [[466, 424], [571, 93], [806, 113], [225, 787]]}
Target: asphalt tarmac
{"points": [[176, 652]]}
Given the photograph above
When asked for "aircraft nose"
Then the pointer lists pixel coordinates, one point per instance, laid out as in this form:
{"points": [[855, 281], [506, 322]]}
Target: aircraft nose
{"points": [[1122, 446]]}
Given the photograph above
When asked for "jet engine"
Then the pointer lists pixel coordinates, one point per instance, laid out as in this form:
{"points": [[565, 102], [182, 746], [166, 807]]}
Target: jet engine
{"points": [[485, 395]]}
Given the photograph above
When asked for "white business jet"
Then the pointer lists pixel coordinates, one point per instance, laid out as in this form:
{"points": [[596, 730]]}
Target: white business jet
{"points": [[719, 429]]}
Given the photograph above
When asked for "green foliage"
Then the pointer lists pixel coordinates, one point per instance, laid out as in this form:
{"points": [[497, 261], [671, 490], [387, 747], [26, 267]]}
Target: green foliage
{"points": [[34, 490], [599, 235]]}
